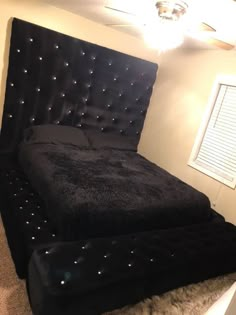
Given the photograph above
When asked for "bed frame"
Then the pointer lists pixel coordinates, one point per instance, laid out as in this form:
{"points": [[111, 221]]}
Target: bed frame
{"points": [[54, 78]]}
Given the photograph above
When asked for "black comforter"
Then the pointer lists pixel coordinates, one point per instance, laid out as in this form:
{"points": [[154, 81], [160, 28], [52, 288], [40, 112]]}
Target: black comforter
{"points": [[103, 192]]}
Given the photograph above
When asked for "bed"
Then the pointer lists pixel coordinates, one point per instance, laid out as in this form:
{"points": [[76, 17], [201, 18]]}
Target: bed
{"points": [[70, 171], [110, 190], [59, 81]]}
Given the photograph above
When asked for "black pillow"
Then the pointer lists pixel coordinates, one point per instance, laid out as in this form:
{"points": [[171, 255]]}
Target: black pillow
{"points": [[101, 140], [54, 134]]}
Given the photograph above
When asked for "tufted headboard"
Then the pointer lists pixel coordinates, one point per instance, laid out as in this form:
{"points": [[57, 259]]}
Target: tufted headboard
{"points": [[54, 78]]}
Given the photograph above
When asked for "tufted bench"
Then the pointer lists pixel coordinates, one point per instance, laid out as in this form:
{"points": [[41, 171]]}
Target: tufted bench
{"points": [[94, 276]]}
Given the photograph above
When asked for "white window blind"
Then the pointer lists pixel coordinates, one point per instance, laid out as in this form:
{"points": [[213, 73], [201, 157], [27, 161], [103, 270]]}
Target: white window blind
{"points": [[214, 152]]}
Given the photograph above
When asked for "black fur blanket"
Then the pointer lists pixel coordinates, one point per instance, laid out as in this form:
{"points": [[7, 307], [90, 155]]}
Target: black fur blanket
{"points": [[103, 192]]}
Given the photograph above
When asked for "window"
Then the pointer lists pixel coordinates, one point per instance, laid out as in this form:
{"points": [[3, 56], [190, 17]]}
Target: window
{"points": [[214, 151]]}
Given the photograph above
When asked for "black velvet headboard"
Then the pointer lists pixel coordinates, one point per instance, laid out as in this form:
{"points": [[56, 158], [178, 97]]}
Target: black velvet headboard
{"points": [[54, 78]]}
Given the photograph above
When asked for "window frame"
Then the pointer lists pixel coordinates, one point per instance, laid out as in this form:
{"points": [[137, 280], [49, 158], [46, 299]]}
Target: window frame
{"points": [[220, 80]]}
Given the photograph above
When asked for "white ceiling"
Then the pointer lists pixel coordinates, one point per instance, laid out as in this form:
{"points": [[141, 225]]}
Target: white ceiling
{"points": [[220, 14]]}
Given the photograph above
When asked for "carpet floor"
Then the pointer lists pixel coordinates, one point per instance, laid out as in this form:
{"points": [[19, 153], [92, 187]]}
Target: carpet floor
{"points": [[190, 300]]}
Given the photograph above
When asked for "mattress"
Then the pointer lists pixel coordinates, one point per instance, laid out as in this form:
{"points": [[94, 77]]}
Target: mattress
{"points": [[104, 192]]}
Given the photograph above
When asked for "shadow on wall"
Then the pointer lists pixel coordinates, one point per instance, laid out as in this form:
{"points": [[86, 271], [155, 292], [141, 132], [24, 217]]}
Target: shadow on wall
{"points": [[5, 67]]}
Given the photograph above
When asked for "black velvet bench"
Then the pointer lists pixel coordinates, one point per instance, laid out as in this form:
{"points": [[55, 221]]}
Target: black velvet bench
{"points": [[91, 277]]}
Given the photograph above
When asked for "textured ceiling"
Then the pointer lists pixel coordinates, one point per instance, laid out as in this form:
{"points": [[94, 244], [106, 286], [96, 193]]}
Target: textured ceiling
{"points": [[218, 13]]}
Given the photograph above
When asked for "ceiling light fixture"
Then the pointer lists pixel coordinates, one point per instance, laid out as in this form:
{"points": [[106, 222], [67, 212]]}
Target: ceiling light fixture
{"points": [[171, 10], [165, 29]]}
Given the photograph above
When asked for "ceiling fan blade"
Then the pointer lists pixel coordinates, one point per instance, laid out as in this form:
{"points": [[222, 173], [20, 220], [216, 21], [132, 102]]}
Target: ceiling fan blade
{"points": [[204, 27], [122, 25], [118, 10], [219, 43]]}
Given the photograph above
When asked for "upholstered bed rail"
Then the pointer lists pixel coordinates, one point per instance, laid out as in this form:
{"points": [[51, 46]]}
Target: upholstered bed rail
{"points": [[94, 276], [54, 78]]}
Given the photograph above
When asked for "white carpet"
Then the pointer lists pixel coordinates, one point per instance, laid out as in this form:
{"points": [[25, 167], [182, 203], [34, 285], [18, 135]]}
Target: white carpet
{"points": [[190, 300]]}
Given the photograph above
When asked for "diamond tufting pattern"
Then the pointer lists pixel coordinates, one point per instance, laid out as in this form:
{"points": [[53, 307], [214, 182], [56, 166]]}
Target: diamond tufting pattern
{"points": [[28, 212]]}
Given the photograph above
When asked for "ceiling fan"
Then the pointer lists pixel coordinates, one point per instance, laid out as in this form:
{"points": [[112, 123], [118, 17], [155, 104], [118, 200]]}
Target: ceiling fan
{"points": [[171, 12]]}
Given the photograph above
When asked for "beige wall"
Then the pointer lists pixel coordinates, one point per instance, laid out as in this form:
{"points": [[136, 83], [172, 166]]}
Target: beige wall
{"points": [[45, 15], [178, 103]]}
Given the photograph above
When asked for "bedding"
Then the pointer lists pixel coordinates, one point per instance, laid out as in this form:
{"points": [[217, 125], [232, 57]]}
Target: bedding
{"points": [[103, 192], [55, 134], [100, 140]]}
